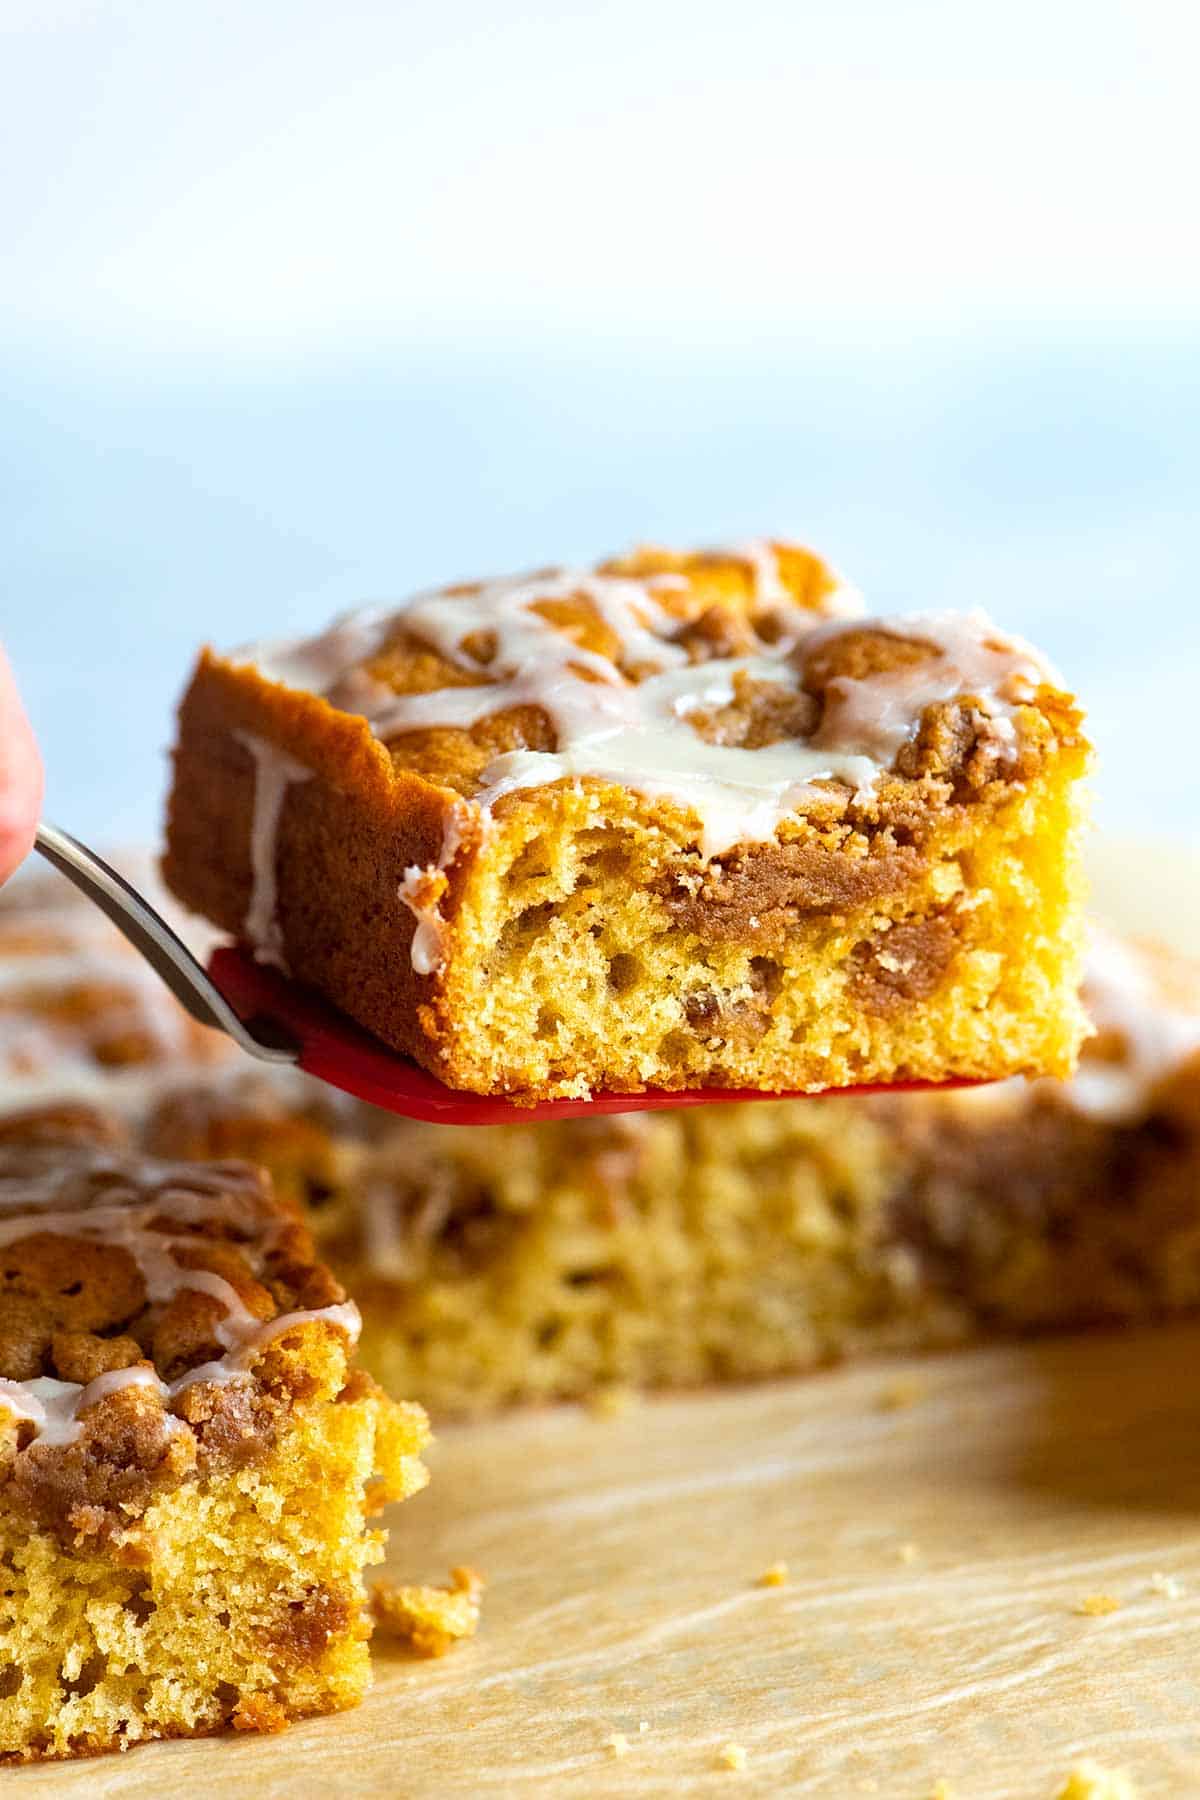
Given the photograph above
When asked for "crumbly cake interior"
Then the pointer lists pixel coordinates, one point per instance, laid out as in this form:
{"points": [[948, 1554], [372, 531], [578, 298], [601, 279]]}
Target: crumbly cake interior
{"points": [[525, 1262], [850, 955], [430, 1620], [187, 1456], [681, 820], [246, 1613]]}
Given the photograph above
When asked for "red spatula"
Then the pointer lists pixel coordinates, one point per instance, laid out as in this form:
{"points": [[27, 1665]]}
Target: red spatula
{"points": [[280, 1021]]}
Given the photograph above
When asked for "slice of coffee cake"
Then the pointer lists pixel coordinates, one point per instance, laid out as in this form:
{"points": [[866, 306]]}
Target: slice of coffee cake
{"points": [[187, 1452], [678, 821]]}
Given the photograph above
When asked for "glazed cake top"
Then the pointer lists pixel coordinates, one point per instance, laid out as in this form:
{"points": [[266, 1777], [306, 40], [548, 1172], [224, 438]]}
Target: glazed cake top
{"points": [[728, 682], [119, 1272]]}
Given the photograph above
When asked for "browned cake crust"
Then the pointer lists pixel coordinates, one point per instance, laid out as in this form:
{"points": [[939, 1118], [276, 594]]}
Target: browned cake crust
{"points": [[583, 932], [77, 1307]]}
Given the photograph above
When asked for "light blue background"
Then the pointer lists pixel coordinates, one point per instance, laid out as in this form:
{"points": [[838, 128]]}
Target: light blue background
{"points": [[305, 305]]}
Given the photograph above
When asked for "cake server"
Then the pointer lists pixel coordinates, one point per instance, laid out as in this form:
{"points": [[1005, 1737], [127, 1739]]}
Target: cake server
{"points": [[280, 1021]]}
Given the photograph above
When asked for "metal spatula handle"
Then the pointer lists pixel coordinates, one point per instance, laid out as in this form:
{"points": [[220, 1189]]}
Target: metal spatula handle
{"points": [[167, 954]]}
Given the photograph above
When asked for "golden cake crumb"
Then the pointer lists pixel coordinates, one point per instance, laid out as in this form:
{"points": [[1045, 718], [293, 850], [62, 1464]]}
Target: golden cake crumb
{"points": [[618, 1744], [774, 1576], [941, 1790], [612, 1402], [1167, 1587], [731, 1756], [430, 1619], [258, 1712], [897, 1396], [1089, 1781], [1094, 1606]]}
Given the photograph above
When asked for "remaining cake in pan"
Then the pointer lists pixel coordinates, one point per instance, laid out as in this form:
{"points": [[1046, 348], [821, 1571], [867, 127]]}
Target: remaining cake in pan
{"points": [[523, 1262], [679, 821], [187, 1454]]}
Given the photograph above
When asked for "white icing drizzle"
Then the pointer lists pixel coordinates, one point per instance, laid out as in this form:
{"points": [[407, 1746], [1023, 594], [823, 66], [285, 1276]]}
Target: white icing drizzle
{"points": [[421, 891], [314, 664], [144, 1207], [876, 716], [379, 1223], [394, 1223], [638, 737], [238, 1359], [1156, 1038], [274, 772], [762, 557], [127, 1093], [53, 1407], [428, 954]]}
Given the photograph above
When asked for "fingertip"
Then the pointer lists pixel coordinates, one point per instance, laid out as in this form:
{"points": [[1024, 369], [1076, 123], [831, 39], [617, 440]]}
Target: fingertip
{"points": [[20, 810], [21, 777]]}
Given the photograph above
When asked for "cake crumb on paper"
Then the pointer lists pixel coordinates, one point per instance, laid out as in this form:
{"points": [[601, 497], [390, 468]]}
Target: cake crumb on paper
{"points": [[258, 1712], [941, 1790], [775, 1575], [429, 1619], [612, 1402], [1087, 1780], [731, 1756], [618, 1744], [899, 1395], [1094, 1606], [1167, 1587]]}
